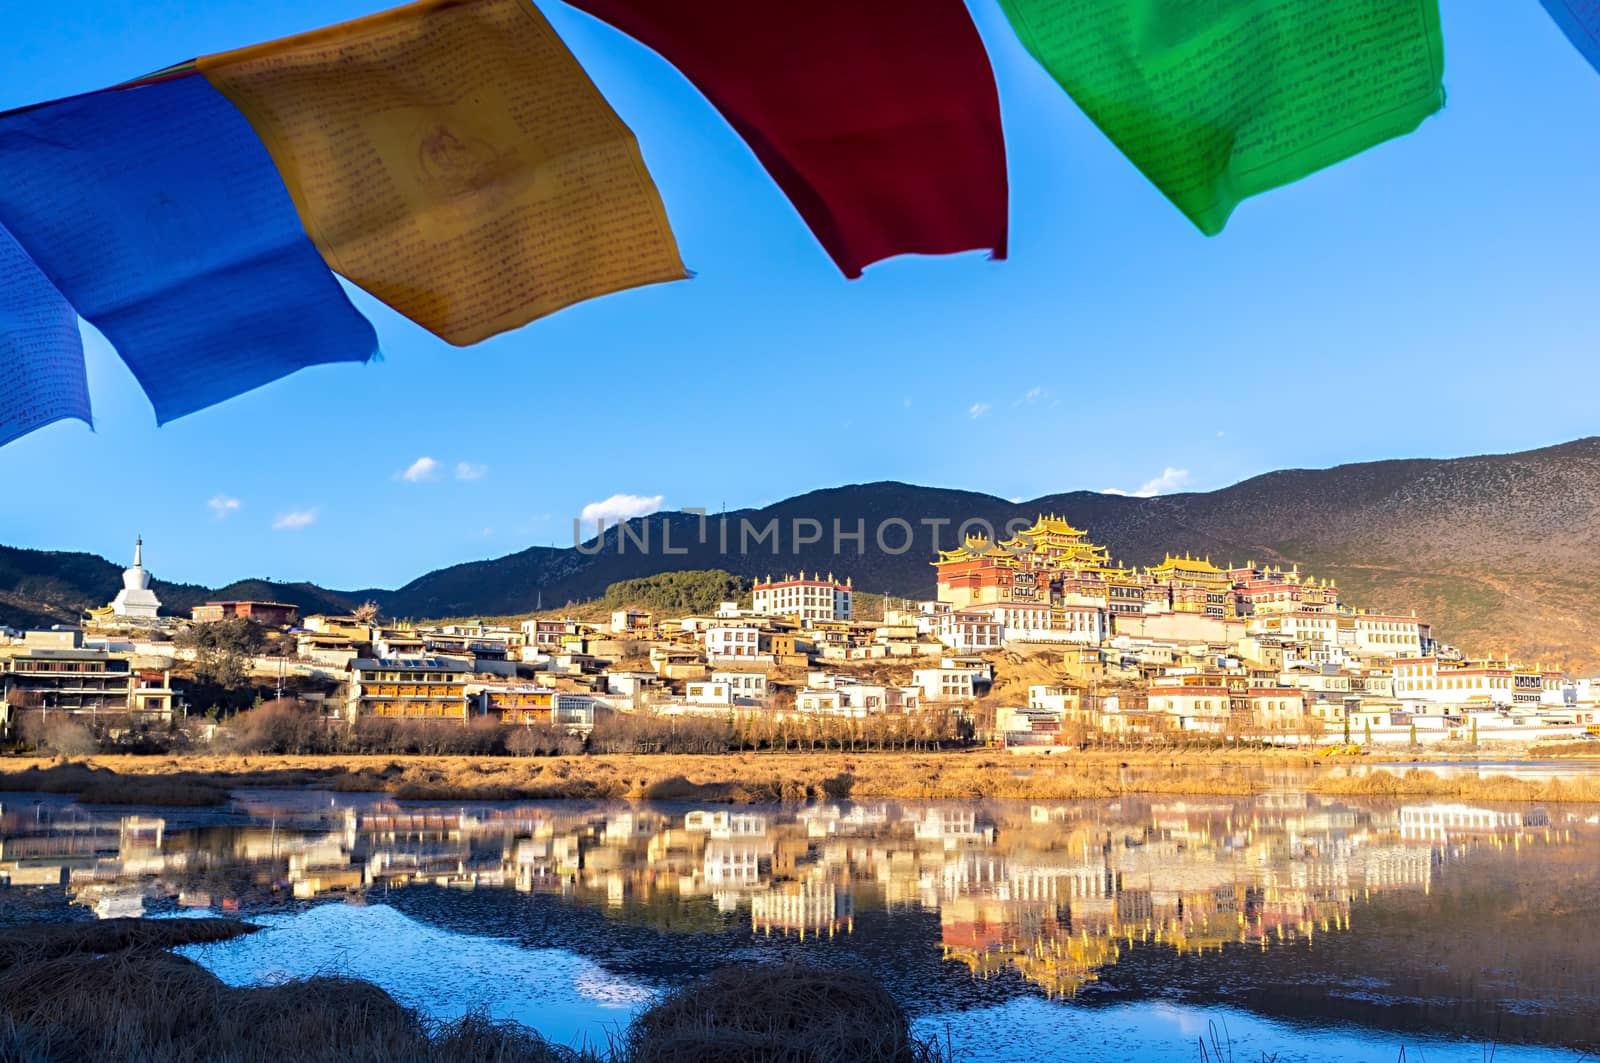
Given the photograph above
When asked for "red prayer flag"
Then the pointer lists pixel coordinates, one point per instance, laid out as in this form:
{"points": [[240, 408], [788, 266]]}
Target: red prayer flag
{"points": [[880, 120]]}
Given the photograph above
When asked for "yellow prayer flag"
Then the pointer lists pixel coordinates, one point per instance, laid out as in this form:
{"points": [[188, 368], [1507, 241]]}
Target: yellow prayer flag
{"points": [[452, 158]]}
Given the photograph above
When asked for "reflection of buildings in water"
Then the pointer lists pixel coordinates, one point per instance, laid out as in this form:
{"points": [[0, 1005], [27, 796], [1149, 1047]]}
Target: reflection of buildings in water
{"points": [[990, 935], [1445, 823], [950, 827], [1052, 893], [1198, 878], [630, 828], [734, 866], [1191, 821], [111, 901], [814, 907], [737, 854], [724, 824], [544, 864], [828, 820]]}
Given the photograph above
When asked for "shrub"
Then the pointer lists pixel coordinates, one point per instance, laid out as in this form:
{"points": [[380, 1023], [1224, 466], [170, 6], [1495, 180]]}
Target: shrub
{"points": [[792, 1014], [56, 732], [542, 740], [480, 738], [284, 727]]}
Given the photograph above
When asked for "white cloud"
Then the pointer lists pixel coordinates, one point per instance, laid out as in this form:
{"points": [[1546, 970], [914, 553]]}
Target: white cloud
{"points": [[908, 403], [295, 519], [487, 532], [977, 410], [222, 506], [1031, 396], [1219, 434], [621, 507], [1170, 480], [419, 470], [466, 470]]}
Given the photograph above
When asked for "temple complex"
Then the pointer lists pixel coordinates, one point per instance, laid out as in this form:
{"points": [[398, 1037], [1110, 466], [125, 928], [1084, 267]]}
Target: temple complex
{"points": [[1053, 564]]}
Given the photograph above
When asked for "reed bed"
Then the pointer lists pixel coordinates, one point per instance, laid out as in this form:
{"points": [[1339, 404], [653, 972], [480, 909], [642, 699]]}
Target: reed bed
{"points": [[761, 777], [100, 785], [47, 941], [70, 993]]}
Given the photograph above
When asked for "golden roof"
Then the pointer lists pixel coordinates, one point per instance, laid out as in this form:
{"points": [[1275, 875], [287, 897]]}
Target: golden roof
{"points": [[975, 547], [1188, 564], [1051, 524]]}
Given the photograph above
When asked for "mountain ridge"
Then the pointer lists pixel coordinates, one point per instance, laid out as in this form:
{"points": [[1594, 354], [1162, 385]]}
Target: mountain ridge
{"points": [[1496, 549]]}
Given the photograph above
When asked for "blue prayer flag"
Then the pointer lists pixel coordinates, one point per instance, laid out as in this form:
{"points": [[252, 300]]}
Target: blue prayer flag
{"points": [[42, 377], [158, 214], [1580, 21]]}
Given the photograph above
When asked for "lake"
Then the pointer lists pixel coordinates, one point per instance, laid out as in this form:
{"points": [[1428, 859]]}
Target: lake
{"points": [[1286, 925]]}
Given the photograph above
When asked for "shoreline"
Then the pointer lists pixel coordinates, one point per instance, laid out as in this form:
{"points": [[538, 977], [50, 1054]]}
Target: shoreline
{"points": [[205, 780]]}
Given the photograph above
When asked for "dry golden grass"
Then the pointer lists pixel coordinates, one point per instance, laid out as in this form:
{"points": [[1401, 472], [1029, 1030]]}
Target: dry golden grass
{"points": [[756, 777], [741, 777], [1423, 783], [98, 785]]}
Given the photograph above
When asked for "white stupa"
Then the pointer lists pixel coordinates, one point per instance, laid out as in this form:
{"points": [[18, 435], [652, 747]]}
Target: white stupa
{"points": [[136, 600]]}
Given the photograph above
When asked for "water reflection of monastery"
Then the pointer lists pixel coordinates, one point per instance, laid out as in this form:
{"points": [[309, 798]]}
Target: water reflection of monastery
{"points": [[1053, 893]]}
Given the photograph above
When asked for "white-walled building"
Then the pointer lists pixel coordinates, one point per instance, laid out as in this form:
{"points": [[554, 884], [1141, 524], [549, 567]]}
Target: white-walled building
{"points": [[968, 631], [1053, 697], [870, 699], [1386, 635], [810, 599], [709, 693], [858, 700], [1035, 622], [948, 684], [1192, 706], [1317, 631], [1423, 679], [819, 702], [724, 642], [624, 621], [1278, 709], [746, 686]]}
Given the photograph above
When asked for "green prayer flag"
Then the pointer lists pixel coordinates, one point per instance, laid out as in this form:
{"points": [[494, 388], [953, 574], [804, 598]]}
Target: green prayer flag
{"points": [[1217, 100]]}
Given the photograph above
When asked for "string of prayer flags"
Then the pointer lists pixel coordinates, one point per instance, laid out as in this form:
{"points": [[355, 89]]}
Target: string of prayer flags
{"points": [[1220, 100], [452, 158], [880, 120], [158, 216], [1580, 21], [42, 377]]}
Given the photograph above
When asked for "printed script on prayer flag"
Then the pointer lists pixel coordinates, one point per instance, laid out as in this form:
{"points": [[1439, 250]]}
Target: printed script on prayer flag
{"points": [[1580, 21], [42, 376], [1218, 100], [879, 119], [452, 158], [157, 214]]}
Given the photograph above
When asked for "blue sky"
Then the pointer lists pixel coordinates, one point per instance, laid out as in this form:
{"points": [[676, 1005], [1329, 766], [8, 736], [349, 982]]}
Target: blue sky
{"points": [[1434, 296]]}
